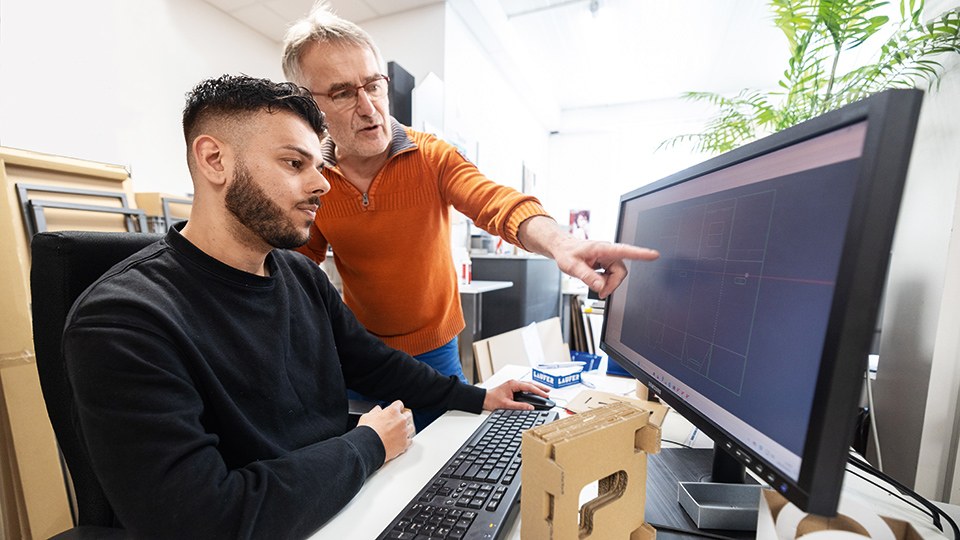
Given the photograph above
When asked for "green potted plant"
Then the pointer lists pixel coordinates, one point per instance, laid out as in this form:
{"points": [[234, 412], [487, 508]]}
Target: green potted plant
{"points": [[819, 32]]}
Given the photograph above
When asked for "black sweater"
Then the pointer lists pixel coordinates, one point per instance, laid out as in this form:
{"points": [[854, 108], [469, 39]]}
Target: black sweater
{"points": [[212, 401]]}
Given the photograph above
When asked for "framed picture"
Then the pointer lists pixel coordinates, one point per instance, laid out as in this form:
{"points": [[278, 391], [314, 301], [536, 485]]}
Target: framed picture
{"points": [[580, 224]]}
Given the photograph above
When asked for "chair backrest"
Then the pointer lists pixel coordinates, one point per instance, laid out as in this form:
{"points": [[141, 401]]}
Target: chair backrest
{"points": [[64, 265]]}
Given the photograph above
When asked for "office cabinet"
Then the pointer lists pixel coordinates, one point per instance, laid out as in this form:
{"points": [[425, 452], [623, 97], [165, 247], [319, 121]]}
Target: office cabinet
{"points": [[534, 297]]}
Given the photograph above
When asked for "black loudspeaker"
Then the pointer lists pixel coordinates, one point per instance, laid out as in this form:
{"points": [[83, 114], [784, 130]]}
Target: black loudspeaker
{"points": [[401, 93]]}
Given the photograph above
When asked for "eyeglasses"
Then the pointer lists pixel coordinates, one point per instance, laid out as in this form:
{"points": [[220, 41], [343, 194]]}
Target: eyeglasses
{"points": [[349, 97]]}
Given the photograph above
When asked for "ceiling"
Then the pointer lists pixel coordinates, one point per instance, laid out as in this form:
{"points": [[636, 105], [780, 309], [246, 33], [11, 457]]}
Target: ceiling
{"points": [[598, 53]]}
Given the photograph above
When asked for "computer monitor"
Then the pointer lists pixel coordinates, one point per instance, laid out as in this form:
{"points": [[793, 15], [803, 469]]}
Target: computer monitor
{"points": [[756, 321]]}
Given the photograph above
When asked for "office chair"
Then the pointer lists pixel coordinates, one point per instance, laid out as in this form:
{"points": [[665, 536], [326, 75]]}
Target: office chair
{"points": [[64, 265]]}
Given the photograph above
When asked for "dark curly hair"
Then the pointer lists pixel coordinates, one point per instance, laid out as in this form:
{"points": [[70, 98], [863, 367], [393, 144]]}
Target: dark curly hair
{"points": [[234, 95]]}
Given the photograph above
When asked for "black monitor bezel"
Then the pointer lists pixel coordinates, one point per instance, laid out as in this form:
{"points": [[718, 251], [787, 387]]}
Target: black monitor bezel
{"points": [[891, 121]]}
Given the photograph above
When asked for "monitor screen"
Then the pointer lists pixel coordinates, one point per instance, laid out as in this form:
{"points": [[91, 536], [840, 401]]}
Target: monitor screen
{"points": [[756, 321]]}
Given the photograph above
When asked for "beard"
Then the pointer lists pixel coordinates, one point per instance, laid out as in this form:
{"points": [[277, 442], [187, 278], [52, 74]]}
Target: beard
{"points": [[254, 209]]}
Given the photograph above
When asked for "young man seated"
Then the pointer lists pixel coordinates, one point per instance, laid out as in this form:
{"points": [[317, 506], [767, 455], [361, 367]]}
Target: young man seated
{"points": [[209, 369]]}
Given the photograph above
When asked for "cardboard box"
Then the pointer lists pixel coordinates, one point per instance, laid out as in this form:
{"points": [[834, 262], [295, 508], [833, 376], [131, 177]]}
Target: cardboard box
{"points": [[33, 491], [778, 516], [590, 361], [561, 458], [591, 399], [516, 347], [557, 377], [614, 369]]}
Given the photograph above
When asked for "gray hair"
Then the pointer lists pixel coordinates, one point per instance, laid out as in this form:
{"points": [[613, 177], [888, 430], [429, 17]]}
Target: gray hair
{"points": [[322, 26]]}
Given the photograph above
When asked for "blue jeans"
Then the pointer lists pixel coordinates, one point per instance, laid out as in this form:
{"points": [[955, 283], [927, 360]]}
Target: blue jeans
{"points": [[446, 360]]}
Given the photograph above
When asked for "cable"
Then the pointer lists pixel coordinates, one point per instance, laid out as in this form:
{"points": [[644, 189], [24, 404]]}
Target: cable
{"points": [[692, 532], [676, 443], [873, 421], [932, 511], [936, 512], [890, 492]]}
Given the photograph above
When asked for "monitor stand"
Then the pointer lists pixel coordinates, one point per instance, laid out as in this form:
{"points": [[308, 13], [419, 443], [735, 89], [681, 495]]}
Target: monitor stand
{"points": [[664, 472]]}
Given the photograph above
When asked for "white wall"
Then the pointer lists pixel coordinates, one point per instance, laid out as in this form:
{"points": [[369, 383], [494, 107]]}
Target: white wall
{"points": [[918, 380], [481, 110], [413, 39], [482, 106], [601, 153], [105, 79]]}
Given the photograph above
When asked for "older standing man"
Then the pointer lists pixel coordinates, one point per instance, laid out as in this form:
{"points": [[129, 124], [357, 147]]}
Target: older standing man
{"points": [[386, 215]]}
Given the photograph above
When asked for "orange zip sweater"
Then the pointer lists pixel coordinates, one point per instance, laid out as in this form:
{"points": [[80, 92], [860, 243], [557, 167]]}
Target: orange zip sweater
{"points": [[392, 244]]}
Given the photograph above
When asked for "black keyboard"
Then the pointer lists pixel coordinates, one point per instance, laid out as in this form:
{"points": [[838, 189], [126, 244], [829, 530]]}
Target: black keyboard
{"points": [[477, 491]]}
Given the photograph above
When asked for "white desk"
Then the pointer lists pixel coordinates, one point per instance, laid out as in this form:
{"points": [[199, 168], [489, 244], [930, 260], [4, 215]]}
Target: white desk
{"points": [[387, 492], [472, 303]]}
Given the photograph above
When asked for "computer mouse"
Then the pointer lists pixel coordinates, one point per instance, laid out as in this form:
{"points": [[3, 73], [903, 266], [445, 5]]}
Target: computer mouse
{"points": [[539, 403]]}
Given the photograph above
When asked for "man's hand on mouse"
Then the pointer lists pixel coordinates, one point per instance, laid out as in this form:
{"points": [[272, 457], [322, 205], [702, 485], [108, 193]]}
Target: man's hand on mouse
{"points": [[501, 397]]}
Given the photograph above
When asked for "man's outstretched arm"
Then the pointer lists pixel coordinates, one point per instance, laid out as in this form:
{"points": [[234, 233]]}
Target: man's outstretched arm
{"points": [[582, 258]]}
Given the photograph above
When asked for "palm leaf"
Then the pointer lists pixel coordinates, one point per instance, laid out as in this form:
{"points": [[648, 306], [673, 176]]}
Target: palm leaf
{"points": [[817, 33]]}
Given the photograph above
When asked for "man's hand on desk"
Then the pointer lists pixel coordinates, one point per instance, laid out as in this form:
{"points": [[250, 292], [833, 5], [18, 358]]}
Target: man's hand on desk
{"points": [[501, 397], [394, 425]]}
